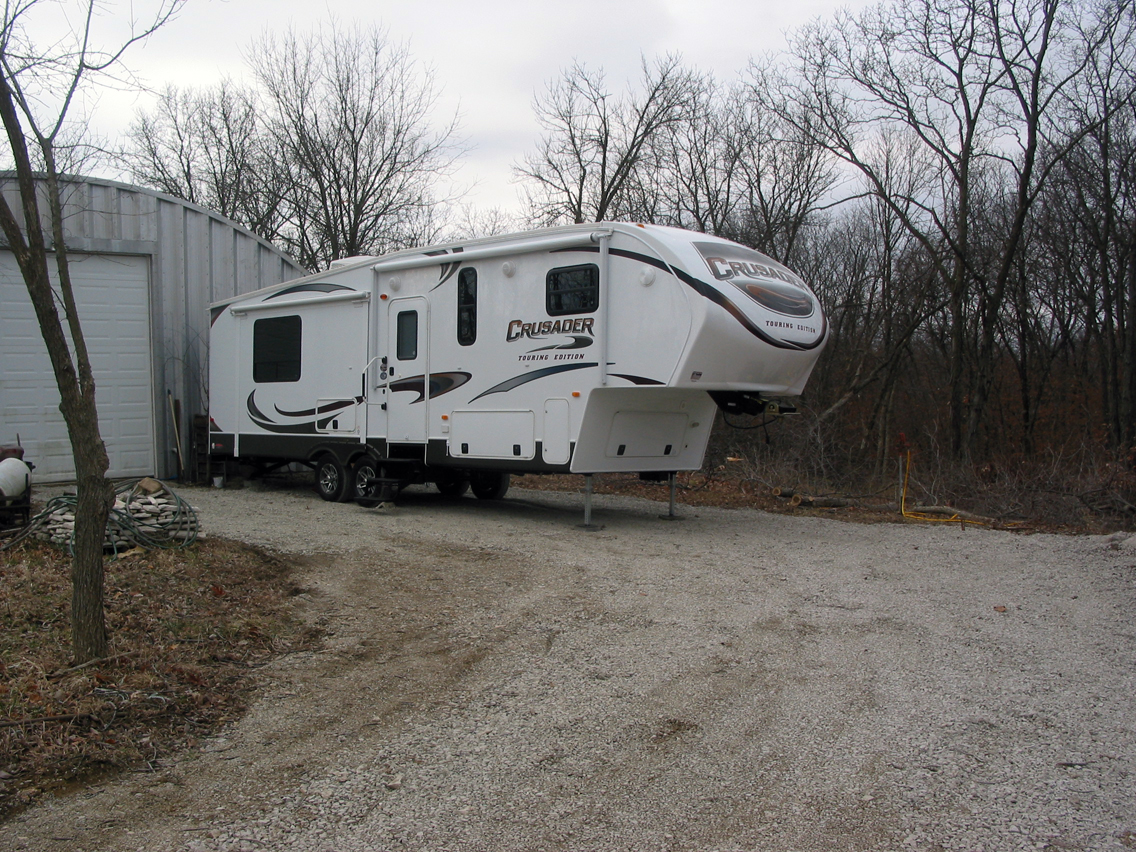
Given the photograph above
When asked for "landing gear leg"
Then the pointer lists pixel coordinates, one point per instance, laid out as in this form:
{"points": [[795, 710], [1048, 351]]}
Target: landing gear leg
{"points": [[588, 525], [670, 515]]}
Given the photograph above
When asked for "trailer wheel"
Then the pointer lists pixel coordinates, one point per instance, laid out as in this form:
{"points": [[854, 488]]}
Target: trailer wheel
{"points": [[489, 484], [367, 492], [452, 485], [331, 479]]}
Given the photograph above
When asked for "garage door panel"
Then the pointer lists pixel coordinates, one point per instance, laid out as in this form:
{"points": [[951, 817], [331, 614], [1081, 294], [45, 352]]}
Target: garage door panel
{"points": [[129, 400], [130, 368], [113, 299], [128, 426]]}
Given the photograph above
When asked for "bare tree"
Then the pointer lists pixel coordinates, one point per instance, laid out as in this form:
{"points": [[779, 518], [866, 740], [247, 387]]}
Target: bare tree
{"points": [[873, 278], [351, 113], [595, 141], [1087, 233], [917, 67], [687, 177], [333, 154], [169, 147], [784, 174], [38, 86], [210, 147], [979, 83], [470, 223]]}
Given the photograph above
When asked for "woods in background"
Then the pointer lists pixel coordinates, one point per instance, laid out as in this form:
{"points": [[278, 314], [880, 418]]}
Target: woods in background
{"points": [[955, 178]]}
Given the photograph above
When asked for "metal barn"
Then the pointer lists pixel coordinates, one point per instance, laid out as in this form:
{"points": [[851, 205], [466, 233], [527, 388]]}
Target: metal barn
{"points": [[145, 267]]}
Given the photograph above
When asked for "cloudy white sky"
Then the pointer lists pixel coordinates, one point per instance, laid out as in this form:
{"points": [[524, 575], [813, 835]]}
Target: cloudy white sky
{"points": [[489, 57]]}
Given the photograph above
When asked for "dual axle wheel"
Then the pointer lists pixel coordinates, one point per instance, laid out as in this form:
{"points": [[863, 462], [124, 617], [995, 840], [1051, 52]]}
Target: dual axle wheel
{"points": [[369, 483]]}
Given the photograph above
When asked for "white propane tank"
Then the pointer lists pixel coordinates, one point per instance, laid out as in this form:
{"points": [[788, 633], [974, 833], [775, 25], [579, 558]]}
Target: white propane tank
{"points": [[14, 477]]}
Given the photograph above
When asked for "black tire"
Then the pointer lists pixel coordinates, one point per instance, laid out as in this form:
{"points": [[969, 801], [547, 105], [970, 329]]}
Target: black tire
{"points": [[452, 484], [331, 479], [489, 484], [367, 493]]}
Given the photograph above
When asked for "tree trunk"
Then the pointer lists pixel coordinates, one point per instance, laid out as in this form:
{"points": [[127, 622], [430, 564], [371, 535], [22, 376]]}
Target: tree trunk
{"points": [[1127, 406], [88, 627], [73, 378]]}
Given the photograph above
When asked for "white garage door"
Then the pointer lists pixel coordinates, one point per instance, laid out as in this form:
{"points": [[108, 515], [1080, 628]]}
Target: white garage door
{"points": [[112, 293]]}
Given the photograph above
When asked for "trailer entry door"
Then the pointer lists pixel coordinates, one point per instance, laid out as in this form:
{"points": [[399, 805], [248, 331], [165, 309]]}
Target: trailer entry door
{"points": [[408, 394]]}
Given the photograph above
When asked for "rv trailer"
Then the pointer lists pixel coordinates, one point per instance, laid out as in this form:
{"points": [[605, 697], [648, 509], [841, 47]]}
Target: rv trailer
{"points": [[582, 349]]}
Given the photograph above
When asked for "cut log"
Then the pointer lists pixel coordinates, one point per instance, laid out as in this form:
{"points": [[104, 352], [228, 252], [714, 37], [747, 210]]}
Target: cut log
{"points": [[831, 502], [949, 511], [841, 503]]}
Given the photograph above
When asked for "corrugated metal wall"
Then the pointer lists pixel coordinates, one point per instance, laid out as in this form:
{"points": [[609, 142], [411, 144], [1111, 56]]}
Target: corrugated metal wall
{"points": [[196, 257]]}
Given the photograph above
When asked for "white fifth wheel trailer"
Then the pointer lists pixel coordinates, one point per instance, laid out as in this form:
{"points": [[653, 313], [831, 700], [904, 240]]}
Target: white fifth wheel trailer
{"points": [[583, 349]]}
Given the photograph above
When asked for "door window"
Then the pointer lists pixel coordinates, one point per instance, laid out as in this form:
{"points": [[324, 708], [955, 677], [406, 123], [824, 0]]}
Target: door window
{"points": [[406, 345]]}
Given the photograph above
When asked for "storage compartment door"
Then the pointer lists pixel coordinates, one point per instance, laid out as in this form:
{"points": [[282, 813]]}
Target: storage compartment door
{"points": [[556, 447], [646, 434], [493, 435]]}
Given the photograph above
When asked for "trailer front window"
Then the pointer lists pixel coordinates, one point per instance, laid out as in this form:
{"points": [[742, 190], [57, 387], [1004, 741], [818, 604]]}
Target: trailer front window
{"points": [[467, 306], [276, 349], [573, 290]]}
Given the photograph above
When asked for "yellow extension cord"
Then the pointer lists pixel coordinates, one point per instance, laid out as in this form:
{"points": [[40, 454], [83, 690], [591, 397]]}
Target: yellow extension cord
{"points": [[920, 516]]}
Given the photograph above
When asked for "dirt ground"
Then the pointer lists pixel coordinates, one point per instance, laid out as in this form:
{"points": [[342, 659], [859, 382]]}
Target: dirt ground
{"points": [[496, 678]]}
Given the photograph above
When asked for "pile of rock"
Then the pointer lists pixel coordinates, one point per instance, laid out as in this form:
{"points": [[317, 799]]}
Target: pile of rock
{"points": [[145, 513]]}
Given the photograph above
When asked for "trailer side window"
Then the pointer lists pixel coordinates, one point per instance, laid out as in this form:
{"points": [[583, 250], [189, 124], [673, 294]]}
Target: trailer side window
{"points": [[406, 346], [467, 306], [276, 349], [573, 290]]}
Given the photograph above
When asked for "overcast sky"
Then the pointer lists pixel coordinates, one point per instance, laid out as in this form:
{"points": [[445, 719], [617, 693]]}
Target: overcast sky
{"points": [[489, 56]]}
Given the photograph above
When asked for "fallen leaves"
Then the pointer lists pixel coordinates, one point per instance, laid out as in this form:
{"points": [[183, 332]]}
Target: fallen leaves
{"points": [[186, 627]]}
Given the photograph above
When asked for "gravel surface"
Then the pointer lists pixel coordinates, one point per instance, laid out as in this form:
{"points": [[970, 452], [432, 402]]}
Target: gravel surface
{"points": [[495, 678]]}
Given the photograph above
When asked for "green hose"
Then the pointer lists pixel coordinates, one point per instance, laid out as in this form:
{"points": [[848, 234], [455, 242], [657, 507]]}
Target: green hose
{"points": [[168, 531]]}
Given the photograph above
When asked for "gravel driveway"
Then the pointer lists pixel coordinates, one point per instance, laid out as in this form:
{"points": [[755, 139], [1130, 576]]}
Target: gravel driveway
{"points": [[495, 678]]}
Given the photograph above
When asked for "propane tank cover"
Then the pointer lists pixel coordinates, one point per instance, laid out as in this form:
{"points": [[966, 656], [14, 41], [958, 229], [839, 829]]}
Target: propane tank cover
{"points": [[14, 477]]}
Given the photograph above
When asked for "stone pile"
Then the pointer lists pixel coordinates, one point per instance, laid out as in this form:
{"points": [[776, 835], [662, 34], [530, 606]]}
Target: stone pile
{"points": [[146, 513]]}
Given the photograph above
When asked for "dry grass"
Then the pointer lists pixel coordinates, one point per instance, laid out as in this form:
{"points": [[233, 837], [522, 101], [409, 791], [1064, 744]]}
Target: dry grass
{"points": [[1008, 503], [188, 631], [724, 488]]}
